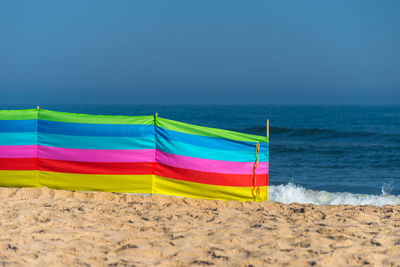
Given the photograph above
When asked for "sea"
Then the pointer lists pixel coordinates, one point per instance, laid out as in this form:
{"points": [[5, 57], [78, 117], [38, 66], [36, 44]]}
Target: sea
{"points": [[325, 155]]}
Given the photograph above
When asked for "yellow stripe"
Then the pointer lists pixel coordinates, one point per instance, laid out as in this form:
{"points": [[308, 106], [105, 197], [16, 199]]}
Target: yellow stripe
{"points": [[18, 178], [167, 186], [97, 182], [127, 184]]}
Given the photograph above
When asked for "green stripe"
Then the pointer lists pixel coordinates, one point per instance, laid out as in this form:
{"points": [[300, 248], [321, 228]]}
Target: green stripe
{"points": [[29, 114], [207, 131], [24, 114], [99, 119]]}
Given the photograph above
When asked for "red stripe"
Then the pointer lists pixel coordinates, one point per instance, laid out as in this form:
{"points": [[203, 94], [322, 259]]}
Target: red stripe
{"points": [[18, 164], [210, 177], [114, 168]]}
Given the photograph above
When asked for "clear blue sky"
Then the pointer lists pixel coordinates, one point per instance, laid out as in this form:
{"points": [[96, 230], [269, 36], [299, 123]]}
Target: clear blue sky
{"points": [[202, 52]]}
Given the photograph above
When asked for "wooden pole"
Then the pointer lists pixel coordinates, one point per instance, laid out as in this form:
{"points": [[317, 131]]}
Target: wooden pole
{"points": [[268, 128]]}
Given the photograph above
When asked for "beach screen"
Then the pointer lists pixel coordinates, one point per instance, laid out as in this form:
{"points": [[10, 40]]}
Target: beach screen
{"points": [[130, 154]]}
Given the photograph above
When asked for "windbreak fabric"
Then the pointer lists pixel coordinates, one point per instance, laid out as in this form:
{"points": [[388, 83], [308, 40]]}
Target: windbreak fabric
{"points": [[127, 154]]}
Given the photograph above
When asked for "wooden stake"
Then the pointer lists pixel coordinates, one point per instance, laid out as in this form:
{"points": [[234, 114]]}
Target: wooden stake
{"points": [[268, 128]]}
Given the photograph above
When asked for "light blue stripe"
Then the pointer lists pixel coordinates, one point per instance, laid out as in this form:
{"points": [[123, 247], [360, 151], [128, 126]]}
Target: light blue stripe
{"points": [[209, 142], [184, 149], [18, 139], [94, 129], [96, 142]]}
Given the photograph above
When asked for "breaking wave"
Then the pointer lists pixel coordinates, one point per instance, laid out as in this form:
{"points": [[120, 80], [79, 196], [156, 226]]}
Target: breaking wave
{"points": [[291, 193]]}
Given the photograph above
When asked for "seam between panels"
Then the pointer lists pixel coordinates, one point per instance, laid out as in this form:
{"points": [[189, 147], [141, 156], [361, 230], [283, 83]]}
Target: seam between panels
{"points": [[37, 151], [155, 154]]}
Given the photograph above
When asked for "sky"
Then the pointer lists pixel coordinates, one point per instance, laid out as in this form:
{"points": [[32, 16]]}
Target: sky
{"points": [[200, 52]]}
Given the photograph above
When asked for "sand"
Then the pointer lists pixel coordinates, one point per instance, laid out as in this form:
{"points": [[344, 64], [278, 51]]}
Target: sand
{"points": [[43, 227]]}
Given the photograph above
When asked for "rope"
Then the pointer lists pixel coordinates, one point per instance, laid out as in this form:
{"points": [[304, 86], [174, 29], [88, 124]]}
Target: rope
{"points": [[256, 189]]}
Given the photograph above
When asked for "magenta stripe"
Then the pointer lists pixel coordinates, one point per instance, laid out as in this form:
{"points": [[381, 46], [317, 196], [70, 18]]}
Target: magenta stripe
{"points": [[209, 165], [97, 155], [27, 151]]}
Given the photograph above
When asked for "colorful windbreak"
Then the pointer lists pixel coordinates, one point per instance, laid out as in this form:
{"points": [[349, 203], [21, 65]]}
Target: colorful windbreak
{"points": [[141, 154]]}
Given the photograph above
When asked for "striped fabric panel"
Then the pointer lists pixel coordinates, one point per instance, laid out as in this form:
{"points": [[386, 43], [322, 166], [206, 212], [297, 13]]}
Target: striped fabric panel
{"points": [[18, 148], [144, 154], [96, 153]]}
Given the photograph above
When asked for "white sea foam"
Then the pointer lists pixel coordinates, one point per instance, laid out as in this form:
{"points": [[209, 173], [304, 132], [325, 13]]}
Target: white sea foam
{"points": [[291, 193]]}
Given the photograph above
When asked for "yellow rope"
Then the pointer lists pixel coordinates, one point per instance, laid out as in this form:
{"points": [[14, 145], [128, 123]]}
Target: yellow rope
{"points": [[255, 187]]}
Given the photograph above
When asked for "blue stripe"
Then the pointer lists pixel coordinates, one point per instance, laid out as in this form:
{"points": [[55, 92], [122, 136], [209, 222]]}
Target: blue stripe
{"points": [[18, 126], [209, 142], [184, 149], [18, 139], [96, 142], [90, 129]]}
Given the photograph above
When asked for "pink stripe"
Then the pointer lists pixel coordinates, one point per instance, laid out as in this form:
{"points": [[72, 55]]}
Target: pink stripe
{"points": [[28, 151], [209, 165], [97, 155], [126, 155]]}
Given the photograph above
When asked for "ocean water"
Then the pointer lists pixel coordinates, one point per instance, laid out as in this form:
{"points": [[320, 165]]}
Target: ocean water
{"points": [[318, 154]]}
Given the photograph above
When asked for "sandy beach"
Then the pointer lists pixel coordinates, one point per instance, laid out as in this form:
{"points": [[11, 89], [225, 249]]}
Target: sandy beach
{"points": [[43, 227]]}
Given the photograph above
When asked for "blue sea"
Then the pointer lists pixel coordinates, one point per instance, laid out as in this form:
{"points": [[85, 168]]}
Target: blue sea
{"points": [[318, 154]]}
